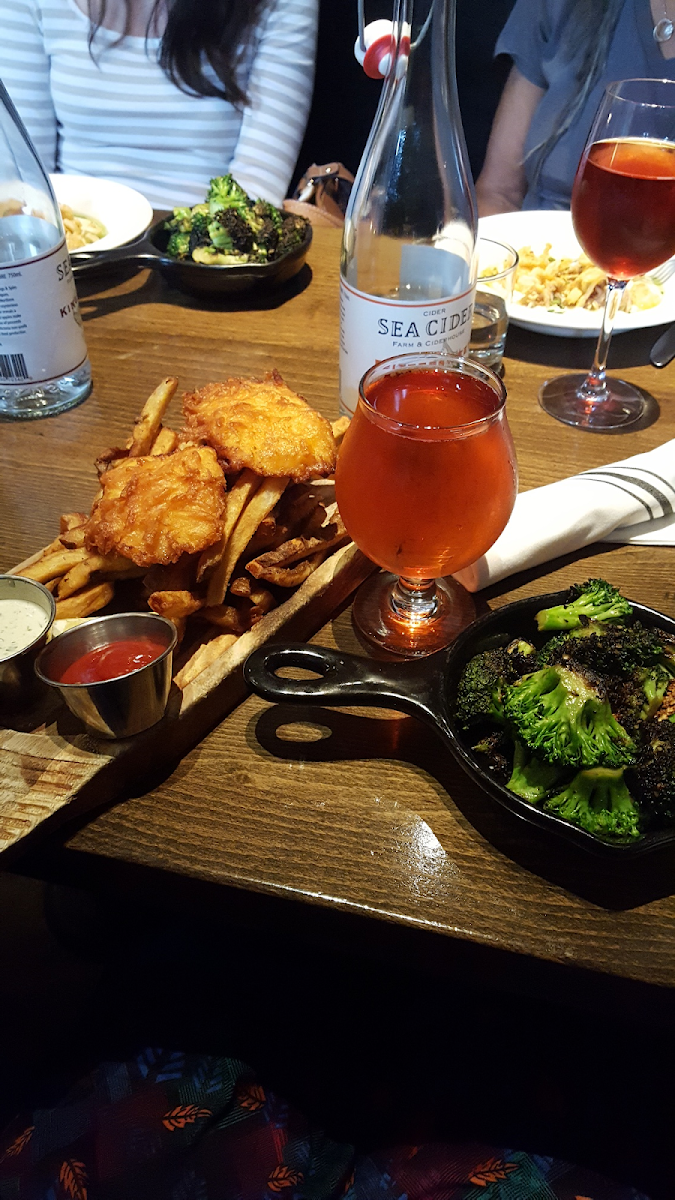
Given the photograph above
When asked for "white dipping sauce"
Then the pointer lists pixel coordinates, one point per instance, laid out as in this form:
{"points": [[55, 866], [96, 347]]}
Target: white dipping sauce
{"points": [[21, 622]]}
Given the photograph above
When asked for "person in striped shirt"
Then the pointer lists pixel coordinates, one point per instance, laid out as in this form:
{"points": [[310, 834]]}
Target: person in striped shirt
{"points": [[163, 95]]}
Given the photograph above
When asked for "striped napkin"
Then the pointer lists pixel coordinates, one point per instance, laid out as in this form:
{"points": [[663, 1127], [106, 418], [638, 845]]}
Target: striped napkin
{"points": [[629, 501]]}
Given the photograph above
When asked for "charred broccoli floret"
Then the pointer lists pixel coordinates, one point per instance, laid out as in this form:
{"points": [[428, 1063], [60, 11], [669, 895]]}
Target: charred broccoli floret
{"points": [[595, 600], [292, 234], [225, 192], [598, 801], [265, 211], [532, 777], [563, 716], [180, 221], [496, 747], [641, 696], [178, 245], [607, 649], [481, 685], [522, 654], [652, 780], [230, 231]]}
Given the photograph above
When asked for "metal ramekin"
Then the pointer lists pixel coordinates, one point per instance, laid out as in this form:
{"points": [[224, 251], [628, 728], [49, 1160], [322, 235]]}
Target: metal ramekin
{"points": [[17, 675], [114, 708]]}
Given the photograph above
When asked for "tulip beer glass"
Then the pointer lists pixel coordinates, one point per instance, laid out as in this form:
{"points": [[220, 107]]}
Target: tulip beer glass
{"points": [[425, 482]]}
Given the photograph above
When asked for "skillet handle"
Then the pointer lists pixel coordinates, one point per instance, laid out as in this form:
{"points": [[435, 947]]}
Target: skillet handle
{"points": [[141, 254], [345, 679]]}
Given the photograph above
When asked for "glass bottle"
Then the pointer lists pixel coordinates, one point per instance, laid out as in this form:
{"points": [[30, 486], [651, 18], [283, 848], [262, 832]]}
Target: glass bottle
{"points": [[408, 264], [44, 367]]}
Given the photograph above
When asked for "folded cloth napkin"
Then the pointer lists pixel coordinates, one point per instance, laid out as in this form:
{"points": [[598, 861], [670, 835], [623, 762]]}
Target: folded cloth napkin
{"points": [[628, 501]]}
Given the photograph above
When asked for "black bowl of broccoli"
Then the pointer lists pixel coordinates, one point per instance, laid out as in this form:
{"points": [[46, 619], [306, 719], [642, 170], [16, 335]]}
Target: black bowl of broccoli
{"points": [[228, 245], [561, 707]]}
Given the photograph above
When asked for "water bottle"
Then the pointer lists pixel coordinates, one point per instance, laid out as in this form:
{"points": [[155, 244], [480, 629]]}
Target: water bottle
{"points": [[408, 268], [44, 367]]}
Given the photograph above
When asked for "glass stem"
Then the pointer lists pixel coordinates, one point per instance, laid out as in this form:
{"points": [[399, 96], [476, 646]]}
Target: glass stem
{"points": [[594, 387], [415, 600]]}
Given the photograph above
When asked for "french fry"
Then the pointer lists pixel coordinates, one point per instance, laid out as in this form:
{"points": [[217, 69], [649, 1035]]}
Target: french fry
{"points": [[148, 424], [233, 618], [296, 549], [239, 494], [52, 566], [74, 580], [73, 539], [203, 657], [288, 577], [242, 586], [165, 442], [71, 520], [83, 604], [110, 458], [340, 428], [265, 535], [262, 602], [261, 503], [296, 508], [109, 564], [174, 604]]}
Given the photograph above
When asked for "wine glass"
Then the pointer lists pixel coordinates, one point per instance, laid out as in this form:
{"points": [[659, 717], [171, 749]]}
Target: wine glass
{"points": [[623, 211], [425, 482]]}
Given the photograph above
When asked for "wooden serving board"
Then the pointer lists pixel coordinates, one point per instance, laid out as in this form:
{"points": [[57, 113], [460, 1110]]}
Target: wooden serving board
{"points": [[52, 770]]}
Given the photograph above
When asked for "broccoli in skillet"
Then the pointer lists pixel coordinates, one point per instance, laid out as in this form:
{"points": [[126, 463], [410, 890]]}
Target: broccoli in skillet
{"points": [[598, 801], [178, 245], [225, 192], [481, 685], [532, 778], [595, 600], [612, 649], [563, 715], [652, 780], [230, 228]]}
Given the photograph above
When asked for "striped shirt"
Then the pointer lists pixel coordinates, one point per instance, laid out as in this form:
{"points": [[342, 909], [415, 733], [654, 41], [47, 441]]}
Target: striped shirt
{"points": [[114, 113]]}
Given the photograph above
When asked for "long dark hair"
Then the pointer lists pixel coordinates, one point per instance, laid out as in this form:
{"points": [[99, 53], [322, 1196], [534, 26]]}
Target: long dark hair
{"points": [[216, 33], [586, 38]]}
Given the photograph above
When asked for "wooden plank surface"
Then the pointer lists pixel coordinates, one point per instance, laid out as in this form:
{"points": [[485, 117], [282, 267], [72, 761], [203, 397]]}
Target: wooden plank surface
{"points": [[365, 812]]}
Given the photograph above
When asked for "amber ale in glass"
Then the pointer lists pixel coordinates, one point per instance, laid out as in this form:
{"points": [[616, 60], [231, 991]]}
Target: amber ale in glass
{"points": [[426, 480]]}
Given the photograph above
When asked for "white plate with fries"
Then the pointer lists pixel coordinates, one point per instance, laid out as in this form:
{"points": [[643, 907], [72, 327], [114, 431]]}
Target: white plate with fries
{"points": [[555, 293], [100, 213]]}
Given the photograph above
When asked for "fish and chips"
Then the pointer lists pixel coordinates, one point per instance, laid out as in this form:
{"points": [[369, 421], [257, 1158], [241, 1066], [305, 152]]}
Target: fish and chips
{"points": [[215, 523]]}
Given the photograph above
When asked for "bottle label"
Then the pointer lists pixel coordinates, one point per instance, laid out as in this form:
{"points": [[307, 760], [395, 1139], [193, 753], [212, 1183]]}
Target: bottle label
{"points": [[373, 328], [41, 336]]}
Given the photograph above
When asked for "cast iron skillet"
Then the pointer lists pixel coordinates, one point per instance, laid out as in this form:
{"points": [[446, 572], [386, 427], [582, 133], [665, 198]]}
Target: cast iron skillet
{"points": [[196, 279], [426, 689]]}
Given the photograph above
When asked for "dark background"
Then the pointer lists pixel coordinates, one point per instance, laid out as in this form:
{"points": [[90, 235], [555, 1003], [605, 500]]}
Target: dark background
{"points": [[345, 99]]}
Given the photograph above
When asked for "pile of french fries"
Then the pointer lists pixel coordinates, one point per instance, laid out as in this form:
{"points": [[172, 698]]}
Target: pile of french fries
{"points": [[275, 534]]}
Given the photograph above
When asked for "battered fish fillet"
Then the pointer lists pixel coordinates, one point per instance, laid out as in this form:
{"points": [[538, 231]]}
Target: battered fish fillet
{"points": [[153, 509], [261, 424]]}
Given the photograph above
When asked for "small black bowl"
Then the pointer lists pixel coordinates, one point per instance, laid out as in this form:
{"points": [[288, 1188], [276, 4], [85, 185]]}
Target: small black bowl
{"points": [[427, 688], [197, 279]]}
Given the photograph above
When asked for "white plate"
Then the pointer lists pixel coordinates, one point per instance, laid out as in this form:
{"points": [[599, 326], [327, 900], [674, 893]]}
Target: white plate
{"points": [[535, 229], [124, 212]]}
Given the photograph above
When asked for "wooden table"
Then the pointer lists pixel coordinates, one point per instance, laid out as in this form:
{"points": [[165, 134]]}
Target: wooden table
{"points": [[374, 820]]}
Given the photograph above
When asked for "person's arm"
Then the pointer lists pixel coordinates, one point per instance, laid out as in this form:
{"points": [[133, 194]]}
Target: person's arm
{"points": [[501, 185], [280, 91], [24, 70]]}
